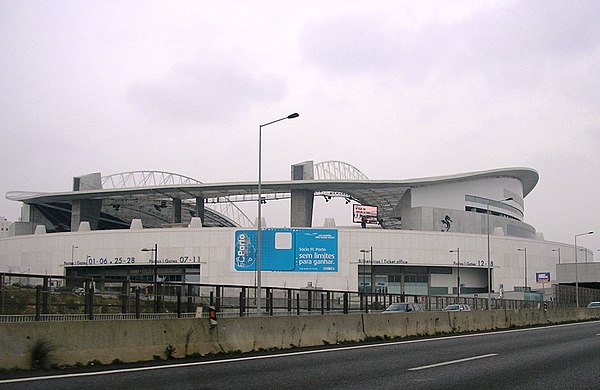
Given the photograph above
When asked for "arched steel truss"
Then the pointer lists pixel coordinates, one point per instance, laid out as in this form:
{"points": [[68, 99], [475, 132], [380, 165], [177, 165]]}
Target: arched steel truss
{"points": [[337, 170], [327, 170], [138, 179]]}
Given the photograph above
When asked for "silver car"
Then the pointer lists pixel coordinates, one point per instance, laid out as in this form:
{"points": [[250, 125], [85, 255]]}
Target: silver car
{"points": [[403, 307], [458, 307], [594, 305]]}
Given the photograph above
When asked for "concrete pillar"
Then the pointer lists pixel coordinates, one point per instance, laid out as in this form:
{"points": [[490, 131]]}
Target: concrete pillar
{"points": [[176, 210], [87, 209], [301, 205], [200, 208], [301, 208]]}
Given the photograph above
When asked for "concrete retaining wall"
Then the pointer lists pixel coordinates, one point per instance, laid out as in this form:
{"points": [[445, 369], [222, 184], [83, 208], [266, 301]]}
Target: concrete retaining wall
{"points": [[142, 340]]}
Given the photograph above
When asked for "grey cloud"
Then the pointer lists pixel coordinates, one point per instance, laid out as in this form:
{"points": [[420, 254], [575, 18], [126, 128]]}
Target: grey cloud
{"points": [[205, 92], [352, 43], [498, 41]]}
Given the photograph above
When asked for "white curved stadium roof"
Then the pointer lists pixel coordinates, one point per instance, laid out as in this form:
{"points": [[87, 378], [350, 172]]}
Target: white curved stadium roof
{"points": [[382, 193]]}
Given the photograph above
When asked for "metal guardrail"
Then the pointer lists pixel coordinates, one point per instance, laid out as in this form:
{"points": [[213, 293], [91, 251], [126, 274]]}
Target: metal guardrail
{"points": [[97, 317], [29, 297]]}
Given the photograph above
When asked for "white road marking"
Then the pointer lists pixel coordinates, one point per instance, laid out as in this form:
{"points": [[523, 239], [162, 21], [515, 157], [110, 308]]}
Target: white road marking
{"points": [[282, 355], [453, 362]]}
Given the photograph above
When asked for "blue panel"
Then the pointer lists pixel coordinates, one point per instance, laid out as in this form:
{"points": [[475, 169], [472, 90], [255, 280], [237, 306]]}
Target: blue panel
{"points": [[316, 251], [291, 250]]}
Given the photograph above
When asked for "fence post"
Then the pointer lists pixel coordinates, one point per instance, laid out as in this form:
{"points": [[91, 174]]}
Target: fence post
{"points": [[345, 303], [322, 303], [158, 297], [267, 300], [289, 300], [271, 302], [242, 303], [45, 296], [218, 299], [125, 297], [309, 300], [298, 303], [329, 300], [137, 303], [90, 297], [190, 305], [179, 288], [2, 292], [38, 303]]}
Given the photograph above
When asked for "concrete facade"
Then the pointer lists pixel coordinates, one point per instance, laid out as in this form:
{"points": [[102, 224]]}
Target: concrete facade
{"points": [[212, 249]]}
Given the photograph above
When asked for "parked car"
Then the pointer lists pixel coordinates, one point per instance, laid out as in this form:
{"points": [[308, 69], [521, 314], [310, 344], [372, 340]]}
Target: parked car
{"points": [[403, 307], [594, 305], [81, 290], [458, 307]]}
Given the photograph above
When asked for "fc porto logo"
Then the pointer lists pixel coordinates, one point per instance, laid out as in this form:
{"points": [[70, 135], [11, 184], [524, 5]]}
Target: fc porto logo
{"points": [[447, 222], [245, 253]]}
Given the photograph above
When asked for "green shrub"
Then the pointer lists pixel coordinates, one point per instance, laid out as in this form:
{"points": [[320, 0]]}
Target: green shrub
{"points": [[39, 354], [169, 351]]}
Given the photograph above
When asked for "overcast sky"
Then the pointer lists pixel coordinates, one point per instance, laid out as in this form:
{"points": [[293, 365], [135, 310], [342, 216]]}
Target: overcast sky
{"points": [[398, 89]]}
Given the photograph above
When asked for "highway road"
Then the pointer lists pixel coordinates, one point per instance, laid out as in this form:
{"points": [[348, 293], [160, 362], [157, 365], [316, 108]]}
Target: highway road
{"points": [[554, 357]]}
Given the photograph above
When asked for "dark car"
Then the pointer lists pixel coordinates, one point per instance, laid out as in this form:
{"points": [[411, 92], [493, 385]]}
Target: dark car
{"points": [[403, 307]]}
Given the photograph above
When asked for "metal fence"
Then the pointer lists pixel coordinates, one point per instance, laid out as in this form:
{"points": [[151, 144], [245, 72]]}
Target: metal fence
{"points": [[30, 297], [567, 295]]}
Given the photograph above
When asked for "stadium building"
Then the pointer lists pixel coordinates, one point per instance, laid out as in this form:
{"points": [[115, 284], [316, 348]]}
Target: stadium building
{"points": [[439, 236]]}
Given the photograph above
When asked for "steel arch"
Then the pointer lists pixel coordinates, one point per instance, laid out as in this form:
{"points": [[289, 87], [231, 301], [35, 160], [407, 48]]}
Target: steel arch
{"points": [[337, 170], [137, 179]]}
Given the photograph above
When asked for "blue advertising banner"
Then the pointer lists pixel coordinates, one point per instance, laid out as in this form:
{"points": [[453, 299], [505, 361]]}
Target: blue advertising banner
{"points": [[542, 277], [292, 250]]}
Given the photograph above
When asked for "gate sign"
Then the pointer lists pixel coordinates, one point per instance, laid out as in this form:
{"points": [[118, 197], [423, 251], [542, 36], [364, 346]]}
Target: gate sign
{"points": [[542, 277]]}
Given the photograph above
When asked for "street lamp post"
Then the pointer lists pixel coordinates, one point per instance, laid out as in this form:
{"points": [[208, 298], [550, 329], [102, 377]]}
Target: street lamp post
{"points": [[576, 276], [155, 281], [259, 224], [557, 250], [457, 251], [524, 250], [489, 259]]}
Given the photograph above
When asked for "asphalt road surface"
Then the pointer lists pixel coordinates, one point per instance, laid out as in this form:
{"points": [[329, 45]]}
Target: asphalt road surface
{"points": [[553, 357]]}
